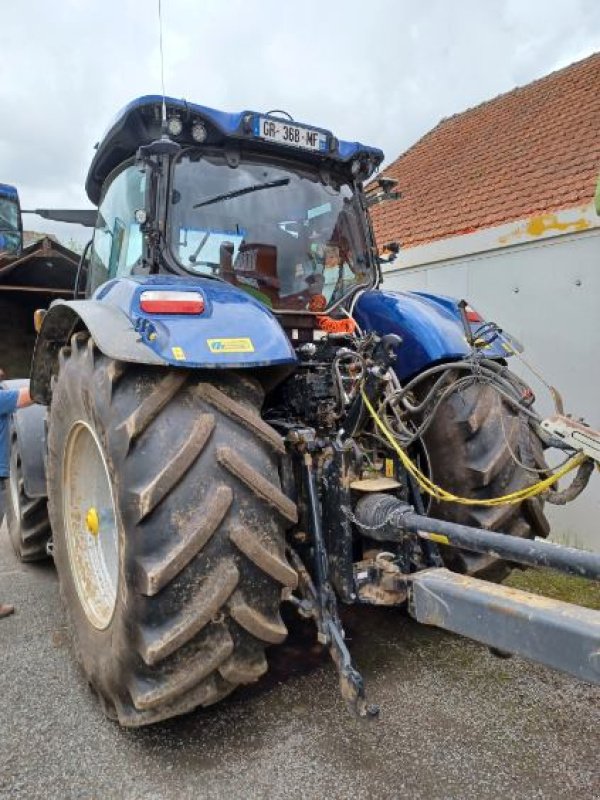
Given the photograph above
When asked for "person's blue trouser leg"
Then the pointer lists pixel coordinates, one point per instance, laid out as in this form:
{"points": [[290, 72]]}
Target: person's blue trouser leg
{"points": [[5, 610]]}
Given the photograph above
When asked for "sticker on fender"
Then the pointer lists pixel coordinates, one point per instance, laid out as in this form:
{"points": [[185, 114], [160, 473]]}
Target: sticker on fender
{"points": [[243, 345]]}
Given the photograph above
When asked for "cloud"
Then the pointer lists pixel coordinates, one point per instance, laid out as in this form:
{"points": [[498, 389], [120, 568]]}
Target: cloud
{"points": [[383, 72]]}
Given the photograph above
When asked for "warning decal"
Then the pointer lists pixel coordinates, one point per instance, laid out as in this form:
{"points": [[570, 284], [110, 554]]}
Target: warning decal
{"points": [[241, 345]]}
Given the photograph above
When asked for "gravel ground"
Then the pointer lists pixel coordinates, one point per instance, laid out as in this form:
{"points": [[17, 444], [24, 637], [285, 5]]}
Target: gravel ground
{"points": [[455, 721]]}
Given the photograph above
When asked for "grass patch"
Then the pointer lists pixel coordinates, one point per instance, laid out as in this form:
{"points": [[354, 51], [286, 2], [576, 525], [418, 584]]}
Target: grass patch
{"points": [[557, 585]]}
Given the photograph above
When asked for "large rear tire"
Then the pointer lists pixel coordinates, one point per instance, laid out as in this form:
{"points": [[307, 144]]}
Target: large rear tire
{"points": [[181, 487], [26, 517], [474, 444]]}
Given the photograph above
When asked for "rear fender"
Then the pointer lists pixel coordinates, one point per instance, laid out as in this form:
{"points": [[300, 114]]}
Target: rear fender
{"points": [[29, 425], [235, 331], [108, 326], [430, 326]]}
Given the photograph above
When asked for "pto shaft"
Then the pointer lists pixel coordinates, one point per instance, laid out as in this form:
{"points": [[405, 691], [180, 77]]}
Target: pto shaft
{"points": [[385, 518]]}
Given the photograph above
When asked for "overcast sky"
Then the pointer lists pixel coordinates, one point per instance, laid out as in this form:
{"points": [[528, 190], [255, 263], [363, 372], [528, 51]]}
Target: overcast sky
{"points": [[382, 71]]}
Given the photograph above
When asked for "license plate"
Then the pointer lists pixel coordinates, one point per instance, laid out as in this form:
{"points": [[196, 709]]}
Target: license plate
{"points": [[283, 132]]}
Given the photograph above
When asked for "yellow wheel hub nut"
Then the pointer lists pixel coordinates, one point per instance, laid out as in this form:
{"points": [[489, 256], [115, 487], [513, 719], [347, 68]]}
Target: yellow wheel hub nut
{"points": [[92, 521]]}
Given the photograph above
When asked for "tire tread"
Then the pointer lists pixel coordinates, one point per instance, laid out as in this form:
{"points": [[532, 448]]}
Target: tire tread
{"points": [[193, 466], [471, 443]]}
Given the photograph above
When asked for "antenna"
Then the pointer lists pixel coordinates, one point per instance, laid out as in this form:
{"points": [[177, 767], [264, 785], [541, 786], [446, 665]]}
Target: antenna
{"points": [[162, 68]]}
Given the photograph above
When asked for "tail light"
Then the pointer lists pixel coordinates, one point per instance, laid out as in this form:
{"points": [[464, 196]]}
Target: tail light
{"points": [[472, 315], [166, 302]]}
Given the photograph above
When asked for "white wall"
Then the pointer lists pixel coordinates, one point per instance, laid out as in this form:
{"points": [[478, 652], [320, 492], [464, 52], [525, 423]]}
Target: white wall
{"points": [[545, 290]]}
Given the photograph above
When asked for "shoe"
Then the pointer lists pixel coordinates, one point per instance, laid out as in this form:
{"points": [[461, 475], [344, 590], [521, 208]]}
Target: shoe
{"points": [[6, 611]]}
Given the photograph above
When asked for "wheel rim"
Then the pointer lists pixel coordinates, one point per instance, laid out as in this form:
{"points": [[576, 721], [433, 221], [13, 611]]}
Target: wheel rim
{"points": [[91, 525]]}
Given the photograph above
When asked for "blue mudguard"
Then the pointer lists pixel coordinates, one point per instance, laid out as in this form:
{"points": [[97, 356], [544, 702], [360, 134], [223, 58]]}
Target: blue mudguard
{"points": [[29, 425], [233, 330], [430, 327]]}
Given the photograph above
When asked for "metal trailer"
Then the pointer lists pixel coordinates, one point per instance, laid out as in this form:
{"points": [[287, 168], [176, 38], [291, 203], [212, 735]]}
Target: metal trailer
{"points": [[32, 275]]}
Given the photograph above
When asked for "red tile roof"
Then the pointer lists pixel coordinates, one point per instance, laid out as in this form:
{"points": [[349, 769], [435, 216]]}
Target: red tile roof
{"points": [[533, 150]]}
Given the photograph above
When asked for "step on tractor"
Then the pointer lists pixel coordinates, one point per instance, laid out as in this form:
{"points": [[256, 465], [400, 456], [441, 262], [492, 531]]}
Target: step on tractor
{"points": [[232, 415]]}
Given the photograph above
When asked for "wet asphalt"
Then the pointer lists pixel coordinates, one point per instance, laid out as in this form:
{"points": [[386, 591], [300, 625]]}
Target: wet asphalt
{"points": [[455, 721]]}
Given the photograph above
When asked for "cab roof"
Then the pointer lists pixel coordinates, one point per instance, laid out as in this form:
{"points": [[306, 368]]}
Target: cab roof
{"points": [[140, 123], [8, 191]]}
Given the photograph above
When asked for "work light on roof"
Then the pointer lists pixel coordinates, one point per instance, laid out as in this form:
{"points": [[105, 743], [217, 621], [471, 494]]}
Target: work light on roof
{"points": [[174, 126], [199, 132]]}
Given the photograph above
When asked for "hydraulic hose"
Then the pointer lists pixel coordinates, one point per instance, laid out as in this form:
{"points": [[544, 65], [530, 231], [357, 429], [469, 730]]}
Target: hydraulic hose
{"points": [[580, 481], [430, 488]]}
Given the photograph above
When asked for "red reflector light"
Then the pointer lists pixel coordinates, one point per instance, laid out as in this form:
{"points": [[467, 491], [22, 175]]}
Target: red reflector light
{"points": [[472, 315], [165, 302]]}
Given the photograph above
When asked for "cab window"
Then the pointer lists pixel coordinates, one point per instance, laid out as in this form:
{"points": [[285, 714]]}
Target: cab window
{"points": [[10, 233], [117, 246]]}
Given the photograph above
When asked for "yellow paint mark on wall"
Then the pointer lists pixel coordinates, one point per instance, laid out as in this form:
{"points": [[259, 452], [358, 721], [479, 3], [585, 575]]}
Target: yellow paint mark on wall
{"points": [[550, 222]]}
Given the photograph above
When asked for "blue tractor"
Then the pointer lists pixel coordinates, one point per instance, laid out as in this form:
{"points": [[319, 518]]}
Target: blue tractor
{"points": [[11, 229], [233, 415]]}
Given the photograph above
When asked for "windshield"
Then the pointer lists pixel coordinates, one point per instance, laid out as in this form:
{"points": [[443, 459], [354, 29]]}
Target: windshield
{"points": [[10, 235], [283, 236]]}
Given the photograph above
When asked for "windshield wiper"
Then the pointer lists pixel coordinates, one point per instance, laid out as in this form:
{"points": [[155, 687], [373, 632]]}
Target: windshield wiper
{"points": [[239, 192]]}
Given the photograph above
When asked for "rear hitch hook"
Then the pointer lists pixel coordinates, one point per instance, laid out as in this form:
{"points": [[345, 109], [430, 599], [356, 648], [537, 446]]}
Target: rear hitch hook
{"points": [[352, 685], [325, 611]]}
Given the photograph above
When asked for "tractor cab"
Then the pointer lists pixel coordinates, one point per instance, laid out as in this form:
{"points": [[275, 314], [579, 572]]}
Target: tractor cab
{"points": [[271, 206], [11, 228]]}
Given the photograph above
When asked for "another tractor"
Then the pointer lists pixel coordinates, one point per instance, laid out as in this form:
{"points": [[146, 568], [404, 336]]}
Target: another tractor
{"points": [[11, 229], [236, 416]]}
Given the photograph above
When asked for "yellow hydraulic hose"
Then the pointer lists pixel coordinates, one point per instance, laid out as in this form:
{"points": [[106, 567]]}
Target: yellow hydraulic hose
{"points": [[447, 497]]}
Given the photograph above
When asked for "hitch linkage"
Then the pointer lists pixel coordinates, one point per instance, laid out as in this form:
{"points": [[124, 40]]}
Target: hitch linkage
{"points": [[325, 611], [560, 635]]}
